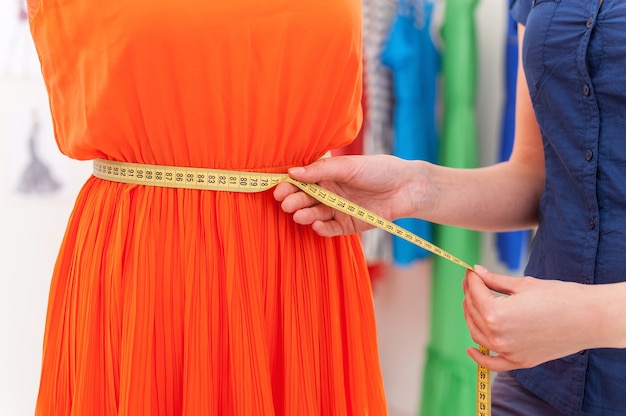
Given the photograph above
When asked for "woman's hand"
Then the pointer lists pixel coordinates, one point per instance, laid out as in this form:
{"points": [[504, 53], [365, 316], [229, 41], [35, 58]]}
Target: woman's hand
{"points": [[381, 183], [536, 321]]}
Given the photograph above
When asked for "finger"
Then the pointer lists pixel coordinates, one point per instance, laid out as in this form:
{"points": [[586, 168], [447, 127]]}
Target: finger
{"points": [[327, 228], [497, 282], [319, 212], [475, 323], [477, 291], [478, 301], [327, 169], [492, 362], [465, 288], [298, 201], [283, 190]]}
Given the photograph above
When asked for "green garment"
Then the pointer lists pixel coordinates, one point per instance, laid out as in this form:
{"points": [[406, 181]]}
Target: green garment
{"points": [[449, 387]]}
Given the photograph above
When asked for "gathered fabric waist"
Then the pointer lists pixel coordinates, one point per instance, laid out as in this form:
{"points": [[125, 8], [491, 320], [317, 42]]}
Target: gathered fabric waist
{"points": [[241, 181]]}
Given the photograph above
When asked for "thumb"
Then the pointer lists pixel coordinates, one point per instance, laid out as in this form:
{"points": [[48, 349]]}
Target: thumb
{"points": [[497, 282], [325, 169]]}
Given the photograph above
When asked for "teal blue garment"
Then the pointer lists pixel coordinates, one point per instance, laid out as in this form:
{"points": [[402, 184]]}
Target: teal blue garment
{"points": [[414, 62]]}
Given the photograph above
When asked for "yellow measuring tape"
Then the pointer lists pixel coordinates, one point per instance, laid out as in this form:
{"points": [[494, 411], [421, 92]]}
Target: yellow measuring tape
{"points": [[238, 181]]}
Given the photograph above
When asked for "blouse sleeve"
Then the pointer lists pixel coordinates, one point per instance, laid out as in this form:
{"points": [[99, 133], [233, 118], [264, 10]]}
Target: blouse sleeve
{"points": [[520, 9]]}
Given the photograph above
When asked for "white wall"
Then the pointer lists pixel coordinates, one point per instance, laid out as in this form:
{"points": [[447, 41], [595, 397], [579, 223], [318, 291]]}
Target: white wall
{"points": [[31, 227]]}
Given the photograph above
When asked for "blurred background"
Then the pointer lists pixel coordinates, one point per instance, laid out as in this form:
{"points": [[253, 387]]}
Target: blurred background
{"points": [[409, 52]]}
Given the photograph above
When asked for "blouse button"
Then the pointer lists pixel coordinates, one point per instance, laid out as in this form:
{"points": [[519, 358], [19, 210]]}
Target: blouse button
{"points": [[589, 23], [588, 154], [592, 223], [586, 89]]}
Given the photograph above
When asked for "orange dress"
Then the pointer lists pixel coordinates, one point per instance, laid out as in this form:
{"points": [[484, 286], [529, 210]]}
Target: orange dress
{"points": [[186, 302]]}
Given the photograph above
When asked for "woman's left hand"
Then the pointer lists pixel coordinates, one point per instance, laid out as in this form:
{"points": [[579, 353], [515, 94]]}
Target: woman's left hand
{"points": [[536, 321]]}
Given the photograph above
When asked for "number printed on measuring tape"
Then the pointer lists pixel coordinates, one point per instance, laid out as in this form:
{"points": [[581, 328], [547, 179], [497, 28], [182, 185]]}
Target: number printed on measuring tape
{"points": [[483, 388]]}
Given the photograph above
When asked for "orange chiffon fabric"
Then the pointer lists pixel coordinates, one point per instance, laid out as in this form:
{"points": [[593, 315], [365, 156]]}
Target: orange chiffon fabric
{"points": [[186, 302]]}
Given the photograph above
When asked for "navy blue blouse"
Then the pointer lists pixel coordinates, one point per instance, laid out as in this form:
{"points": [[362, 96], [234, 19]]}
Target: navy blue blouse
{"points": [[574, 56]]}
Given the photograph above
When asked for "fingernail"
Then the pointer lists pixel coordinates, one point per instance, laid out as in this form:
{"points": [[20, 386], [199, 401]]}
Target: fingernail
{"points": [[480, 269], [296, 170]]}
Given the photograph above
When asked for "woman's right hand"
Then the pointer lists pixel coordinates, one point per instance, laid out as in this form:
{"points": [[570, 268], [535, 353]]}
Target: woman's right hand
{"points": [[382, 184]]}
